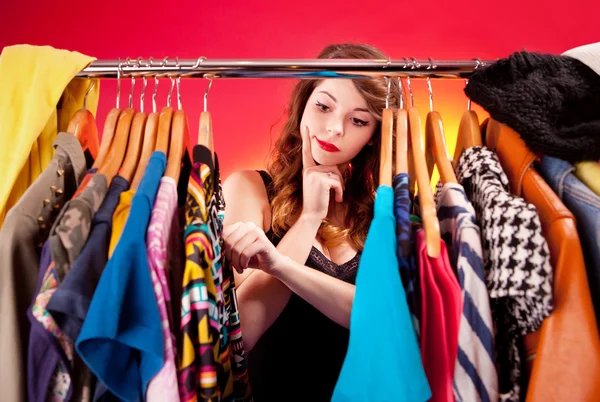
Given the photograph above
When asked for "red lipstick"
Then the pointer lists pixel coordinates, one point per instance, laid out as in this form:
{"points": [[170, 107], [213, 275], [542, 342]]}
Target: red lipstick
{"points": [[327, 146]]}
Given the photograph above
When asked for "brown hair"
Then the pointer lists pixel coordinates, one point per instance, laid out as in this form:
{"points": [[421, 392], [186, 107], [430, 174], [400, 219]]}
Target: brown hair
{"points": [[286, 165]]}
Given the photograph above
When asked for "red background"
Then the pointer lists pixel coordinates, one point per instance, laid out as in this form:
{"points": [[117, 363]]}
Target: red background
{"points": [[247, 113]]}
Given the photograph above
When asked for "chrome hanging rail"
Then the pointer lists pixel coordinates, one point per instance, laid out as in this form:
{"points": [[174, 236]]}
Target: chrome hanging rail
{"points": [[283, 68]]}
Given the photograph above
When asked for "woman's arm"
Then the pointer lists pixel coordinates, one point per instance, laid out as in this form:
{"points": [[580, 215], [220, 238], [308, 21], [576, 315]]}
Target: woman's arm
{"points": [[329, 295], [262, 297], [247, 245]]}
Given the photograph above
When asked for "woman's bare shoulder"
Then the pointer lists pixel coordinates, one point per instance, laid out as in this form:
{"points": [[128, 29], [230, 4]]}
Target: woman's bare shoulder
{"points": [[246, 198]]}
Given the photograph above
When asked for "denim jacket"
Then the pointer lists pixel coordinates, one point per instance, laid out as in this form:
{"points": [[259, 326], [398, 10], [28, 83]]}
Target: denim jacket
{"points": [[585, 206]]}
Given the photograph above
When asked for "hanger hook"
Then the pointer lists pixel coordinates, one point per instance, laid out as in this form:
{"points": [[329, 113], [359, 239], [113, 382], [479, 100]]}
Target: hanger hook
{"points": [[414, 64], [400, 94], [388, 83], [144, 85], [88, 92], [178, 81], [478, 63], [128, 60], [430, 67], [119, 73], [151, 62], [165, 62], [206, 94]]}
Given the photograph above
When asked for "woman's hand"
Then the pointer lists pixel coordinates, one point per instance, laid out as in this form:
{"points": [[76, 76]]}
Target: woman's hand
{"points": [[317, 182], [247, 245]]}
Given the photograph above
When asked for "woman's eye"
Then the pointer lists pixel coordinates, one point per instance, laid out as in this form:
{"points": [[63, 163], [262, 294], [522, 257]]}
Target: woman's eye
{"points": [[322, 107], [359, 122]]}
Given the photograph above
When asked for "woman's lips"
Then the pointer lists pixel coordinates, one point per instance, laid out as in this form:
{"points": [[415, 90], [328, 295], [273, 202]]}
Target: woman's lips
{"points": [[327, 146]]}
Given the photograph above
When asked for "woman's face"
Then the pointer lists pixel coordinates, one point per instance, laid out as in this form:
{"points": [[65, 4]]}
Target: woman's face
{"points": [[338, 121]]}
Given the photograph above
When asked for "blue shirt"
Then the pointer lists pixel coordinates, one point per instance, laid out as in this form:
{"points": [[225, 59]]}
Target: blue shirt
{"points": [[584, 204], [121, 339], [383, 362], [70, 303]]}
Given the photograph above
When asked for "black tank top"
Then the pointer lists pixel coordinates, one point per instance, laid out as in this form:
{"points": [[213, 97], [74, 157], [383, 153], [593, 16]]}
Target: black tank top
{"points": [[300, 356]]}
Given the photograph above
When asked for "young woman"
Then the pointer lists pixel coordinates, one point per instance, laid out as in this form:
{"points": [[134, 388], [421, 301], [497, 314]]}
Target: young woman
{"points": [[295, 233]]}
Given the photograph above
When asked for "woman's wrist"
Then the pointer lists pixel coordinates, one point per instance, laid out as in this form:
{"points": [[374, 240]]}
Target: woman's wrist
{"points": [[284, 268], [311, 221]]}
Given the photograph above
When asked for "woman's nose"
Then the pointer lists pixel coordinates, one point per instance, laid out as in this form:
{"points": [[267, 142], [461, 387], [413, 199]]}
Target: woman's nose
{"points": [[335, 127]]}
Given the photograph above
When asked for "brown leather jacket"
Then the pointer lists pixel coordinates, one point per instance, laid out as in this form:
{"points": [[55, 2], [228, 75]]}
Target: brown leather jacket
{"points": [[564, 355]]}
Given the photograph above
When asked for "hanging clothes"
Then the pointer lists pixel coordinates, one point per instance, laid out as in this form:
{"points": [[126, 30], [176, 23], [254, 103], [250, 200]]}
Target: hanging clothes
{"points": [[32, 80], [161, 232], [76, 217], [516, 260], [25, 230], [369, 373], [567, 349], [120, 218], [408, 268], [475, 376], [584, 204], [589, 173], [208, 370], [440, 309], [121, 346], [70, 302]]}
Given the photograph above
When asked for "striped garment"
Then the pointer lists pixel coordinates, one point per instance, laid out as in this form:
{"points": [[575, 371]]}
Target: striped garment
{"points": [[475, 377], [212, 364]]}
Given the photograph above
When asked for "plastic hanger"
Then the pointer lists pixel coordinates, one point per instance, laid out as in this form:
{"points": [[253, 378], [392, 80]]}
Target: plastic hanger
{"points": [[469, 133], [402, 162], [387, 128], [431, 224], [179, 134], [116, 154], [435, 142], [136, 135], [83, 127], [149, 139]]}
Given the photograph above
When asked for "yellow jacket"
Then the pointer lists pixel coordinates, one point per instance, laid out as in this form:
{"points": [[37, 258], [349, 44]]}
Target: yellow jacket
{"points": [[33, 79]]}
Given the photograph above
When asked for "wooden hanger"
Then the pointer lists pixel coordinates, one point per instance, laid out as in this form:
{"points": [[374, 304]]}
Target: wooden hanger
{"points": [[436, 152], [115, 156], [205, 130], [134, 146], [492, 133], [164, 130], [179, 133], [402, 162], [428, 210], [435, 149], [148, 145], [469, 134], [83, 126], [108, 133], [385, 155]]}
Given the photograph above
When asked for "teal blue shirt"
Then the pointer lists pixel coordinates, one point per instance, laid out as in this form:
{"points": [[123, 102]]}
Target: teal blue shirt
{"points": [[383, 362]]}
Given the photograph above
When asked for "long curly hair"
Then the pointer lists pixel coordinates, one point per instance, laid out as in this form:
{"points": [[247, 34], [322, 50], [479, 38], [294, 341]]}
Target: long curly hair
{"points": [[286, 164]]}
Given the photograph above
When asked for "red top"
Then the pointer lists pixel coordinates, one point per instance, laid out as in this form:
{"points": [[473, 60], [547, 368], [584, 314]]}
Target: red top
{"points": [[441, 310]]}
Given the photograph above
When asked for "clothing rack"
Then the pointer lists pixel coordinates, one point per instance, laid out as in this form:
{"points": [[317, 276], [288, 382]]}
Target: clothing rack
{"points": [[282, 68]]}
